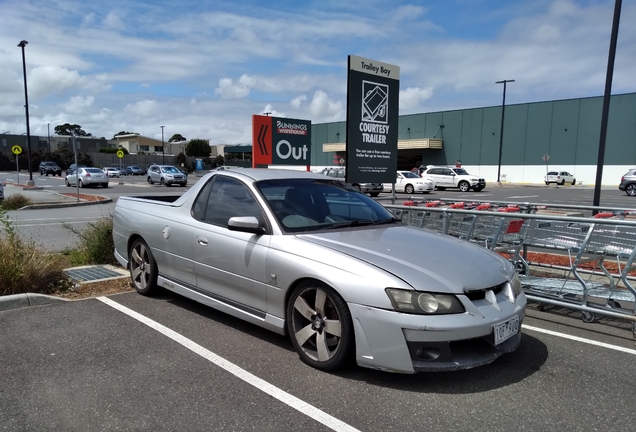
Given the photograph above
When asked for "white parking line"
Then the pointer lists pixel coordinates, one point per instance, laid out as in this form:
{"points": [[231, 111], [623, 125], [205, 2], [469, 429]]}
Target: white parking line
{"points": [[292, 401], [580, 339], [523, 196]]}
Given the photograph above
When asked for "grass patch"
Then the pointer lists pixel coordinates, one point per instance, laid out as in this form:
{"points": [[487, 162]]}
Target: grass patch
{"points": [[25, 268], [96, 244], [15, 201]]}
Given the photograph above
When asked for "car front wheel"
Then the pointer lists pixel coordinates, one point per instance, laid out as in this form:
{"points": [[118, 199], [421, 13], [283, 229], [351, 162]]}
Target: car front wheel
{"points": [[573, 182], [631, 189], [464, 186], [319, 324], [409, 189], [143, 268]]}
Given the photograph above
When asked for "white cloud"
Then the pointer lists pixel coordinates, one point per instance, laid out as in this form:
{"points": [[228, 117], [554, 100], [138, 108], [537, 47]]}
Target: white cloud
{"points": [[79, 104], [323, 108], [297, 101], [269, 110], [411, 97], [113, 21], [144, 108], [228, 90]]}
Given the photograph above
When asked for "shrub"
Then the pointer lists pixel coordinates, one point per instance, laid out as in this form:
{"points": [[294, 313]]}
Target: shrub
{"points": [[15, 201], [96, 243], [25, 268]]}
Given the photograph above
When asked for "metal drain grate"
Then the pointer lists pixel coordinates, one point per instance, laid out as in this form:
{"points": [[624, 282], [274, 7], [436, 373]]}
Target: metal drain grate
{"points": [[92, 273]]}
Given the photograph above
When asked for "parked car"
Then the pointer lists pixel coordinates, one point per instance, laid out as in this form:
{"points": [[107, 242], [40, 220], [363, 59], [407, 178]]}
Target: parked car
{"points": [[112, 171], [135, 170], [72, 168], [87, 177], [52, 168], [166, 175], [559, 177], [628, 182], [453, 177], [308, 256], [126, 171], [372, 189], [1, 192], [409, 182]]}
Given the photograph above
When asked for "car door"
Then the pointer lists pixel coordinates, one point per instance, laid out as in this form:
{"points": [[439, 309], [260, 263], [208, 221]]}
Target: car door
{"points": [[230, 265], [399, 183]]}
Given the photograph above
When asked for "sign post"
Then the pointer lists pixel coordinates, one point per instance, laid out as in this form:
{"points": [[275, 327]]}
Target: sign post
{"points": [[120, 155], [16, 150], [546, 158], [373, 91], [280, 141]]}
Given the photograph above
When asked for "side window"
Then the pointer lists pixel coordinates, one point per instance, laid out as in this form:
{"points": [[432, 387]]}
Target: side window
{"points": [[446, 171], [229, 198], [341, 174]]}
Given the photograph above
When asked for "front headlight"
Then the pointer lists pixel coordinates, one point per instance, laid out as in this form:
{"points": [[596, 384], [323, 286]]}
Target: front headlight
{"points": [[418, 302], [515, 284]]}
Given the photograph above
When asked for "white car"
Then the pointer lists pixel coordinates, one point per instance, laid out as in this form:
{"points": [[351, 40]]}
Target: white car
{"points": [[408, 182], [87, 177], [559, 177], [112, 171]]}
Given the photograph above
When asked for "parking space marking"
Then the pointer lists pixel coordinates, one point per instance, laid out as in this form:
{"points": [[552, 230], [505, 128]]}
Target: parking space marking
{"points": [[580, 339], [523, 196], [292, 401]]}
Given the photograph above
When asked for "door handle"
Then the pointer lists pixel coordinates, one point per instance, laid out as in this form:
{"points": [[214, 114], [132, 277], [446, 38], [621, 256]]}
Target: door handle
{"points": [[202, 241]]}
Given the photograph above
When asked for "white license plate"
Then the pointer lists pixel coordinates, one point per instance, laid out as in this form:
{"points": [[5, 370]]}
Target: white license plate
{"points": [[506, 330]]}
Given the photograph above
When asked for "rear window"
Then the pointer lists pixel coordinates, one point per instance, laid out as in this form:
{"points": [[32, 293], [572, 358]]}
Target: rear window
{"points": [[553, 173], [93, 170]]}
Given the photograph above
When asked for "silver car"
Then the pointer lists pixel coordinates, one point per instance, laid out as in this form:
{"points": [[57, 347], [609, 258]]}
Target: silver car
{"points": [[112, 171], [166, 175], [87, 177], [308, 256]]}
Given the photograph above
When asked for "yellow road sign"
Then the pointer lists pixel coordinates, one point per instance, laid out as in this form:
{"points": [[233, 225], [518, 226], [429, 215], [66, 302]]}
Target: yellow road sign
{"points": [[120, 154], [16, 149]]}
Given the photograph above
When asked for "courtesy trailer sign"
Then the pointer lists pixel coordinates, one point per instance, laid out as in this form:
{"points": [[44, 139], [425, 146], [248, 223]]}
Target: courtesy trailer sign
{"points": [[373, 91], [280, 141]]}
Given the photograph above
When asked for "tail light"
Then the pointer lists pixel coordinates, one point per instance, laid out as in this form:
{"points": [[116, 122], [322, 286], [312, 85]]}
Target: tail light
{"points": [[88, 175], [622, 179]]}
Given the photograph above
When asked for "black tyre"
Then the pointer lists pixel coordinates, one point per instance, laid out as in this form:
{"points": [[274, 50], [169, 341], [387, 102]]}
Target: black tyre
{"points": [[573, 182], [373, 194], [162, 181], [439, 188], [105, 185], [59, 174], [67, 183], [183, 185], [81, 183], [357, 187], [409, 189], [478, 189], [143, 268], [464, 186], [562, 182], [547, 183], [320, 327], [150, 180], [587, 317], [630, 189]]}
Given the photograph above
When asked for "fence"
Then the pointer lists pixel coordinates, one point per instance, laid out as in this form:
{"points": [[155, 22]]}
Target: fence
{"points": [[593, 247]]}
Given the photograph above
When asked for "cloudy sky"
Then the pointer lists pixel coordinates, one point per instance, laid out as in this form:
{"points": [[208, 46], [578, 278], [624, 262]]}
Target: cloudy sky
{"points": [[202, 68]]}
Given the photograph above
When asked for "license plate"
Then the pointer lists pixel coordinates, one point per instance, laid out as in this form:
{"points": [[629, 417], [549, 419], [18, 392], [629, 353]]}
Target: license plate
{"points": [[506, 330]]}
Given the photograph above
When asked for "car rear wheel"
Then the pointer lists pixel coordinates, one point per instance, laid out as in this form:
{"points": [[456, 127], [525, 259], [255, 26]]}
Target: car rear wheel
{"points": [[373, 194], [478, 189], [67, 183], [547, 183], [81, 183], [357, 187], [631, 189], [319, 324], [464, 186], [143, 268], [409, 189], [439, 188], [562, 182], [150, 180]]}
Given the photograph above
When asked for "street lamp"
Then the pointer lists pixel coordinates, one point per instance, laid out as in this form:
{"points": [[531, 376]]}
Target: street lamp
{"points": [[503, 112], [22, 44], [163, 152], [48, 131]]}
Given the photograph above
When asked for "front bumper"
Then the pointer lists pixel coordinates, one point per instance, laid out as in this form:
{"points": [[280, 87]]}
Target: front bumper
{"points": [[371, 187], [406, 343]]}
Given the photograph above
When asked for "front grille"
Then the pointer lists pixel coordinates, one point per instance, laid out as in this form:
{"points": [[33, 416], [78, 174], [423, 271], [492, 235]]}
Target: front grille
{"points": [[481, 294]]}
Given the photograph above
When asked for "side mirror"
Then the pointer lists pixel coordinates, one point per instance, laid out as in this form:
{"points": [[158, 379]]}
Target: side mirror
{"points": [[245, 224]]}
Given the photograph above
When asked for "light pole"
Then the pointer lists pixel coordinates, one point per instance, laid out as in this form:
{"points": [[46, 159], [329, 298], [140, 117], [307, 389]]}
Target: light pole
{"points": [[163, 152], [48, 131], [22, 44], [503, 112]]}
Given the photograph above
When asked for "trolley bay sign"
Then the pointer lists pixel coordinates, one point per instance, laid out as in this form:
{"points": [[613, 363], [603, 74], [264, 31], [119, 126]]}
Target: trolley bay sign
{"points": [[372, 121], [280, 141]]}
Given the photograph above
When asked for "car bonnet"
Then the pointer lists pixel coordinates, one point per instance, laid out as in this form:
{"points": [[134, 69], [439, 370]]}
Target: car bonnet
{"points": [[425, 260]]}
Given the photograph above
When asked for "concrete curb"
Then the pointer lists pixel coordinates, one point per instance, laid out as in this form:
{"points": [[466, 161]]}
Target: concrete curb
{"points": [[65, 204], [16, 301]]}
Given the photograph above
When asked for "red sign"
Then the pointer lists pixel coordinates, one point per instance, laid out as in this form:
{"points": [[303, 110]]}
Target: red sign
{"points": [[261, 140]]}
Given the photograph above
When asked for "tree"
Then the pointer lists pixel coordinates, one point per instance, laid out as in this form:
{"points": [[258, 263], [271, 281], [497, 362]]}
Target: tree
{"points": [[181, 158], [220, 161], [198, 148], [177, 138], [67, 128], [124, 133]]}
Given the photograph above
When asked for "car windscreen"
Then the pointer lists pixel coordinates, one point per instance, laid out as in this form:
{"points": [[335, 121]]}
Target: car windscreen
{"points": [[461, 171], [309, 205], [409, 174], [171, 170]]}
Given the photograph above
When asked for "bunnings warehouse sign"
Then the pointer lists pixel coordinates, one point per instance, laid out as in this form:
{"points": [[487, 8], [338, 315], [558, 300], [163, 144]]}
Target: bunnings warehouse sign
{"points": [[280, 141], [373, 91]]}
